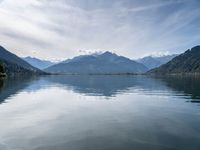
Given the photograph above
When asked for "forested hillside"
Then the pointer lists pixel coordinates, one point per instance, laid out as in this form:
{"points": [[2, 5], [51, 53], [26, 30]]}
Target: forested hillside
{"points": [[188, 62]]}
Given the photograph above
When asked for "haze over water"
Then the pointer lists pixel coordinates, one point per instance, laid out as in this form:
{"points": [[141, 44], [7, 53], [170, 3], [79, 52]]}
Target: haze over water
{"points": [[100, 112]]}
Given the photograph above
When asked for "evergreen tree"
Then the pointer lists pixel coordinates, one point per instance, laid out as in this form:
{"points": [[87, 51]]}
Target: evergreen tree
{"points": [[1, 68]]}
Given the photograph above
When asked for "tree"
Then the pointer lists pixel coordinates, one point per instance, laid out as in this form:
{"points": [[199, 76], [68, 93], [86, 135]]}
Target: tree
{"points": [[1, 68]]}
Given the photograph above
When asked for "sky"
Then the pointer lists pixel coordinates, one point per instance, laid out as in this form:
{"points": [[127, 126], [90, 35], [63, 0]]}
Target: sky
{"points": [[61, 29]]}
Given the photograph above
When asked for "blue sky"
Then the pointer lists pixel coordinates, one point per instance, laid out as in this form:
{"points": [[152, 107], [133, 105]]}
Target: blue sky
{"points": [[61, 29]]}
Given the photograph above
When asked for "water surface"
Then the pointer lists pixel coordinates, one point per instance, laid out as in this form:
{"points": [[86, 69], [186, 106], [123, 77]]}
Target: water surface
{"points": [[100, 113]]}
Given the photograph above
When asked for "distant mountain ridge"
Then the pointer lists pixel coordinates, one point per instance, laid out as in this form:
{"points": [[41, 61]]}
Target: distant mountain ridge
{"points": [[105, 63], [15, 65], [188, 62], [38, 63], [155, 61]]}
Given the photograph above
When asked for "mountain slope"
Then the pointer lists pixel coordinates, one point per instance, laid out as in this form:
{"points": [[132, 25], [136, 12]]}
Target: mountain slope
{"points": [[154, 62], [188, 62], [13, 64], [38, 63], [106, 63]]}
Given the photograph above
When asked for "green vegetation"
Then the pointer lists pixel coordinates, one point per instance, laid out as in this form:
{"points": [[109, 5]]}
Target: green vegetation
{"points": [[12, 65], [1, 68], [2, 71], [186, 63], [13, 69]]}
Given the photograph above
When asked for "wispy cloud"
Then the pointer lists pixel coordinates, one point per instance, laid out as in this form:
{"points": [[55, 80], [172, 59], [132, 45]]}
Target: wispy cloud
{"points": [[154, 5]]}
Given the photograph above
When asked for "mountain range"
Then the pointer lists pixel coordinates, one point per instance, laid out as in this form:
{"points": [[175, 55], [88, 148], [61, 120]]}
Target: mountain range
{"points": [[38, 63], [104, 63], [152, 62], [12, 64], [188, 62]]}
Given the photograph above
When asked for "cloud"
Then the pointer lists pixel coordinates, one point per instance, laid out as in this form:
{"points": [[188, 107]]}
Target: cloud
{"points": [[154, 6], [60, 29]]}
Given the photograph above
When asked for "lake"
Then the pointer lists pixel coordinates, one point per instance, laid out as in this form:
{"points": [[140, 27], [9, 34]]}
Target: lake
{"points": [[100, 113]]}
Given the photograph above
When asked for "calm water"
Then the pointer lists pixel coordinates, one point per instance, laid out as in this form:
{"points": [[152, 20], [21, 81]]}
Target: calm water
{"points": [[100, 113]]}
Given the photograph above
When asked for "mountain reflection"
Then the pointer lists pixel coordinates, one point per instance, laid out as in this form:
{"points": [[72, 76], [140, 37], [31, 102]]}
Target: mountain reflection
{"points": [[12, 86], [108, 86], [189, 85]]}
